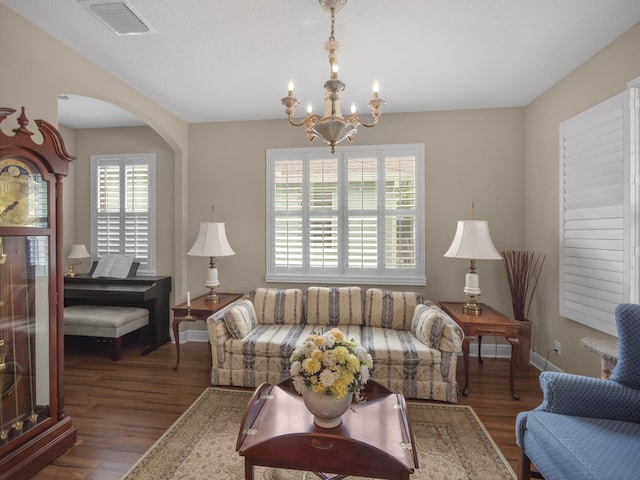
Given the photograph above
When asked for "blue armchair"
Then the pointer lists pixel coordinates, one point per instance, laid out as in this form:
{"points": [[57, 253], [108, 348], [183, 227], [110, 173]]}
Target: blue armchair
{"points": [[588, 428]]}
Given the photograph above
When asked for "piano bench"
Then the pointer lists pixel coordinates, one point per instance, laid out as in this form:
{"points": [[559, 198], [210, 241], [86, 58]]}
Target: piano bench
{"points": [[104, 321]]}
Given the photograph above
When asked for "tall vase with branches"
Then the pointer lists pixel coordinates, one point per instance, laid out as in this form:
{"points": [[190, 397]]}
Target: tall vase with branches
{"points": [[523, 270]]}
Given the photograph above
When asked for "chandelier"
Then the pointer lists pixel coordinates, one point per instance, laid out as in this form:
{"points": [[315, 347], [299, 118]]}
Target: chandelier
{"points": [[332, 128]]}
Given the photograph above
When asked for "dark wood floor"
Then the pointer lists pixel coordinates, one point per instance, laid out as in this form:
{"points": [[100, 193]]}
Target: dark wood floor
{"points": [[121, 408]]}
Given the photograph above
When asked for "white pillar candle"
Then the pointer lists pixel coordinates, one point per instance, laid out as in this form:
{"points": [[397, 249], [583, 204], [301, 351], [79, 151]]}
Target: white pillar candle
{"points": [[188, 299]]}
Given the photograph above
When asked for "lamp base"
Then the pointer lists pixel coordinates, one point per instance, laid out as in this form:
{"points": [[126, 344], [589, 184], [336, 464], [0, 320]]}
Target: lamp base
{"points": [[472, 307], [71, 273], [212, 296]]}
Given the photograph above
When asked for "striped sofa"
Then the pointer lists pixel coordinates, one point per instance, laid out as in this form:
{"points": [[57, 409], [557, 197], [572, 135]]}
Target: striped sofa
{"points": [[413, 343]]}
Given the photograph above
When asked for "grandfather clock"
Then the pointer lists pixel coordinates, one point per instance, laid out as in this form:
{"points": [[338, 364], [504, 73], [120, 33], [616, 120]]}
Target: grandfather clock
{"points": [[33, 427]]}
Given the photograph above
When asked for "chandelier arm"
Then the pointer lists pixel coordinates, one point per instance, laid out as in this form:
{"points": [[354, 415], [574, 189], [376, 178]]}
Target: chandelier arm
{"points": [[358, 121], [305, 121]]}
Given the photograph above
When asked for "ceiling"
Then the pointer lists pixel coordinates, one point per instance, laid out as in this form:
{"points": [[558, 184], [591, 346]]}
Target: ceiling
{"points": [[228, 60]]}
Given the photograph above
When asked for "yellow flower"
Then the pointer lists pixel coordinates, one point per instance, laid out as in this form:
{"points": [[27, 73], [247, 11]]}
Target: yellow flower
{"points": [[353, 362], [317, 355], [311, 365], [341, 353], [337, 335]]}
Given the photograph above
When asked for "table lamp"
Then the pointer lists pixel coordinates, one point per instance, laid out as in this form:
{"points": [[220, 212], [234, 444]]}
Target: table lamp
{"points": [[78, 252], [472, 241], [211, 242]]}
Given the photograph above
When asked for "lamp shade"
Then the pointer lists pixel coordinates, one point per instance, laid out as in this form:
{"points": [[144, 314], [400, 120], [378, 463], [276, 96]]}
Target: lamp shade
{"points": [[473, 241], [211, 242], [79, 251]]}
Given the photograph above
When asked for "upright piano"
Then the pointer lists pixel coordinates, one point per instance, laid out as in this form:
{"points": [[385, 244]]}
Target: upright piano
{"points": [[148, 292]]}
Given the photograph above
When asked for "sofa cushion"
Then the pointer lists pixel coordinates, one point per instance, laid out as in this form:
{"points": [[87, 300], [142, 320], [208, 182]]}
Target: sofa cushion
{"points": [[334, 306], [397, 347], [565, 446], [277, 306], [427, 324], [389, 309], [240, 318]]}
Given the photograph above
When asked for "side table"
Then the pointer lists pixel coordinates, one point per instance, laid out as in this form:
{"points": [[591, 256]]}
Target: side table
{"points": [[199, 310], [489, 322]]}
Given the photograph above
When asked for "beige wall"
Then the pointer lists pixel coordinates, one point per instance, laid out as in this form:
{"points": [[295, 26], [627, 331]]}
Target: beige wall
{"points": [[471, 156], [104, 141], [37, 67], [601, 77]]}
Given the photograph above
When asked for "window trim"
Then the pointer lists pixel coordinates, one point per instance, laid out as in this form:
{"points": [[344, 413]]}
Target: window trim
{"points": [[123, 159], [344, 275]]}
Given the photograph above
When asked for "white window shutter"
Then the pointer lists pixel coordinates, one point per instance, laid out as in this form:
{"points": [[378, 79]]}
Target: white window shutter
{"points": [[123, 219], [597, 225], [354, 216]]}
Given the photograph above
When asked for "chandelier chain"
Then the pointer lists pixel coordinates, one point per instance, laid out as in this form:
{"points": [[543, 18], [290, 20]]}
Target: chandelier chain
{"points": [[333, 21]]}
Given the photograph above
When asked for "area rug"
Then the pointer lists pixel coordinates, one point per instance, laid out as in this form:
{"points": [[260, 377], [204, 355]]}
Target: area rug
{"points": [[451, 444]]}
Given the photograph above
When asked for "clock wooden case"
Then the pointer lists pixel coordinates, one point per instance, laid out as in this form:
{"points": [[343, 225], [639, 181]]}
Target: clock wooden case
{"points": [[33, 427]]}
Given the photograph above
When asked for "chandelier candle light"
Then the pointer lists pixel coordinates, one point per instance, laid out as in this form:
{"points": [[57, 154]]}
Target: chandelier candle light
{"points": [[332, 128]]}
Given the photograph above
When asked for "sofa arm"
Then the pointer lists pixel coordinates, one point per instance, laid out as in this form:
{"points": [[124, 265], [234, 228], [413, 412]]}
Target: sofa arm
{"points": [[452, 336], [588, 397], [218, 333]]}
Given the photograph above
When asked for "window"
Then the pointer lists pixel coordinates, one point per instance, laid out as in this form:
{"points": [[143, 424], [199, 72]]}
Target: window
{"points": [[123, 207], [355, 216], [599, 188]]}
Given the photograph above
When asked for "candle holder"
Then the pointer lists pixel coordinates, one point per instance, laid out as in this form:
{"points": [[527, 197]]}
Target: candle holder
{"points": [[188, 316]]}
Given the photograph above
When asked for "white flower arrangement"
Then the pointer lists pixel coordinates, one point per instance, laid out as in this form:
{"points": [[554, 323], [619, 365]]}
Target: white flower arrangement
{"points": [[331, 365]]}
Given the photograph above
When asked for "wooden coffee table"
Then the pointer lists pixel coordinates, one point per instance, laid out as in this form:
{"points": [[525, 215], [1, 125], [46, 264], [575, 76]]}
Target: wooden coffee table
{"points": [[374, 440]]}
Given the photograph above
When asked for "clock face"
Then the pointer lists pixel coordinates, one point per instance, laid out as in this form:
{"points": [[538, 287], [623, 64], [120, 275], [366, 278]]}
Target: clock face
{"points": [[20, 187]]}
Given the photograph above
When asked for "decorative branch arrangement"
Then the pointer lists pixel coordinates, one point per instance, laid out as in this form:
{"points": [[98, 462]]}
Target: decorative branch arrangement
{"points": [[523, 271]]}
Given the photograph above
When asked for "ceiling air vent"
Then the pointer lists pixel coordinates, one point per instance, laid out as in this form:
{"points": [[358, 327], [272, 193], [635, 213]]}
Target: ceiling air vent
{"points": [[119, 16]]}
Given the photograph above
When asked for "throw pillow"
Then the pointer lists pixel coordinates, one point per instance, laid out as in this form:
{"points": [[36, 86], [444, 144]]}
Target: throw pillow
{"points": [[240, 318], [427, 324], [389, 309], [277, 306], [334, 306]]}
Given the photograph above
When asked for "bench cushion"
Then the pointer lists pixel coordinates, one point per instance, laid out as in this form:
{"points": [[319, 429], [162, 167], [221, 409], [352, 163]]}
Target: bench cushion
{"points": [[103, 320]]}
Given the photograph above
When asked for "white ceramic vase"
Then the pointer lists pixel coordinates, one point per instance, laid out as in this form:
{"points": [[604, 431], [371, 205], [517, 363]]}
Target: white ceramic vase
{"points": [[327, 412]]}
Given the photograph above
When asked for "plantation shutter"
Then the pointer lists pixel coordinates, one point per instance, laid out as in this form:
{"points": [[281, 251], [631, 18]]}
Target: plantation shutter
{"points": [[354, 216], [123, 220], [598, 212]]}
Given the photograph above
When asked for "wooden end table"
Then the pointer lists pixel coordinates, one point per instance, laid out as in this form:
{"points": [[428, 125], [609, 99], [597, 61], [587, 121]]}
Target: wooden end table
{"points": [[374, 440], [199, 310], [489, 322]]}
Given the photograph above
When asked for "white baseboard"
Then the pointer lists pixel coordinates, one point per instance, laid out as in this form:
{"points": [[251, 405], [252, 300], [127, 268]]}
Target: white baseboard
{"points": [[542, 364], [489, 350], [501, 350], [193, 336]]}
